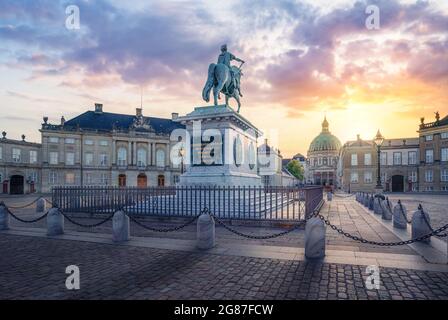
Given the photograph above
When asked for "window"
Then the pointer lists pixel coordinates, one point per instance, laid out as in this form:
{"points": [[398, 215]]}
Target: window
{"points": [[141, 157], [69, 141], [160, 158], [33, 176], [397, 158], [429, 188], [54, 157], [53, 139], [367, 159], [412, 157], [428, 137], [319, 161], [89, 179], [429, 155], [33, 156], [384, 158], [444, 175], [176, 179], [88, 158], [1, 153], [88, 142], [70, 158], [103, 159], [104, 143], [70, 178], [324, 161], [444, 188], [368, 177], [383, 177], [354, 161], [428, 176], [354, 177], [122, 156], [53, 178], [16, 155], [1, 178], [413, 176], [444, 154], [444, 135], [104, 179]]}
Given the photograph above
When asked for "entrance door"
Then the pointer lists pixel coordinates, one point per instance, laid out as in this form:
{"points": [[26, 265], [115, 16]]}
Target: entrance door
{"points": [[397, 183], [122, 180], [142, 180], [16, 184], [161, 180]]}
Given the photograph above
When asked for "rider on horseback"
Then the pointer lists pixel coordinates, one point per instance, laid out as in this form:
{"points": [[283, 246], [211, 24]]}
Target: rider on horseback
{"points": [[225, 57]]}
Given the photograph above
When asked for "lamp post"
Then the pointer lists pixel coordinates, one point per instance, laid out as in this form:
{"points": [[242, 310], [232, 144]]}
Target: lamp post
{"points": [[379, 139]]}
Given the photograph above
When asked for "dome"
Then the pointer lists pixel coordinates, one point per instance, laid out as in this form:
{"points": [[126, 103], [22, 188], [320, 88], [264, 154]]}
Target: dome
{"points": [[325, 141]]}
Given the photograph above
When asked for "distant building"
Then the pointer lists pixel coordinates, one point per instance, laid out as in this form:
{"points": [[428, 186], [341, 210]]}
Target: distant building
{"points": [[273, 174], [323, 157]]}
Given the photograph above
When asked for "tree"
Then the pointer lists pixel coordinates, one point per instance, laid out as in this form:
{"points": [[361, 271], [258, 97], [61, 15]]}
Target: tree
{"points": [[296, 169]]}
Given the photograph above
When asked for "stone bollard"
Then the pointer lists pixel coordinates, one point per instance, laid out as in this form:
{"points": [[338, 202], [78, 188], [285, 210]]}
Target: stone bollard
{"points": [[371, 200], [386, 209], [377, 205], [55, 222], [329, 196], [400, 216], [120, 227], [205, 232], [366, 201], [40, 205], [357, 196], [4, 217], [314, 238], [419, 225]]}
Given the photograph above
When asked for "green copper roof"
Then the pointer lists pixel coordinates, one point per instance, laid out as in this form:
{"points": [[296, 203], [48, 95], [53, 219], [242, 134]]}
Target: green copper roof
{"points": [[325, 141]]}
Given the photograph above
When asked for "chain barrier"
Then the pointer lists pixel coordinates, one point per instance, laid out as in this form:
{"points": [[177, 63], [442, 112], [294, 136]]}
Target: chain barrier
{"points": [[420, 208], [205, 210], [23, 206], [26, 221], [341, 196], [79, 224], [402, 212]]}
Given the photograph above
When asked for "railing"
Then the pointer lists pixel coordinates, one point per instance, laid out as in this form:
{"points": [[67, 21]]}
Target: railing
{"points": [[248, 203]]}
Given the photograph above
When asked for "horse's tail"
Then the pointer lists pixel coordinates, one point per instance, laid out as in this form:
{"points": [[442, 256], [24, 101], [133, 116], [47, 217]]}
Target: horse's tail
{"points": [[209, 83]]}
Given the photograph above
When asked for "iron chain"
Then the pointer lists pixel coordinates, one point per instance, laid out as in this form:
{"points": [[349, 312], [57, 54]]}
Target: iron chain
{"points": [[420, 208], [24, 206], [26, 221], [402, 212], [86, 225], [161, 229]]}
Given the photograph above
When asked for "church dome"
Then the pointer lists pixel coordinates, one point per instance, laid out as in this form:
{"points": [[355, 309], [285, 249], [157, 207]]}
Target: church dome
{"points": [[325, 141]]}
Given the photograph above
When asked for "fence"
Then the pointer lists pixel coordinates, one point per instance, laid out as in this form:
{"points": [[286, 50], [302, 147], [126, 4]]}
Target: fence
{"points": [[248, 203]]}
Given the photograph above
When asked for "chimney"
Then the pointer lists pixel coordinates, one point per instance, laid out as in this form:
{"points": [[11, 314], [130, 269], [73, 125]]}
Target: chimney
{"points": [[358, 137], [98, 108], [45, 119], [23, 137], [174, 115], [138, 112], [62, 120]]}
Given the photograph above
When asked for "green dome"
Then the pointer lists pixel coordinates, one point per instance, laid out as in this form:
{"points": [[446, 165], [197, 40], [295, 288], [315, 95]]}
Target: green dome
{"points": [[325, 141]]}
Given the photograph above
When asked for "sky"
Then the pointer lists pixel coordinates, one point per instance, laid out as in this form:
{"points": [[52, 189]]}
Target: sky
{"points": [[303, 60]]}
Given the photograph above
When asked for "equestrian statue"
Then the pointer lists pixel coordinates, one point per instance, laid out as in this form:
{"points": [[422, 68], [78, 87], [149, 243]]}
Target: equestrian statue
{"points": [[225, 78]]}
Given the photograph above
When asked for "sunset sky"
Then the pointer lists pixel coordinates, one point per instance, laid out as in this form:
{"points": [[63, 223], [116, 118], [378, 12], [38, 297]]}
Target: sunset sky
{"points": [[303, 59]]}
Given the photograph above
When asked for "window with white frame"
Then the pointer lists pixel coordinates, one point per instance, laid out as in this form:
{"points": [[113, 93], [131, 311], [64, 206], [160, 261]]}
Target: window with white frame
{"points": [[428, 137], [70, 178], [53, 157], [175, 178], [324, 161], [367, 159], [428, 176], [368, 177], [16, 155], [104, 143], [141, 157], [53, 177], [89, 178], [319, 161], [33, 156], [444, 135], [104, 178], [354, 160], [429, 188], [53, 139], [384, 158], [69, 141], [354, 177], [88, 142], [429, 155], [122, 156], [1, 177], [413, 176], [33, 176], [160, 158], [444, 154], [104, 160], [444, 175], [88, 157], [412, 157], [397, 158], [69, 158], [383, 177], [444, 188]]}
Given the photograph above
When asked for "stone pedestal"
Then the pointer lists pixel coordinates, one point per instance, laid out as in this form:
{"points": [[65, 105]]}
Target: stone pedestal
{"points": [[386, 209], [371, 200], [234, 161], [419, 225], [4, 217], [366, 200], [40, 205], [400, 216], [55, 222], [205, 232], [120, 227], [315, 238], [377, 206]]}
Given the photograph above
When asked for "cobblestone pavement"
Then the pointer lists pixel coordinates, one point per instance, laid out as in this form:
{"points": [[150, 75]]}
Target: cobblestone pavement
{"points": [[34, 268], [343, 212], [435, 205]]}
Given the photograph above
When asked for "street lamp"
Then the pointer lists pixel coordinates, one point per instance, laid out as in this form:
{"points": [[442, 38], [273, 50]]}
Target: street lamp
{"points": [[379, 139]]}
